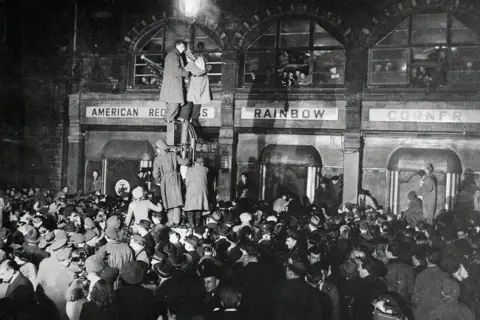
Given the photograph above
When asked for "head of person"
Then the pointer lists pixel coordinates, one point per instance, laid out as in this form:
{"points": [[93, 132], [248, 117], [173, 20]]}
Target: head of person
{"points": [[95, 174], [8, 269], [230, 297], [180, 46], [295, 270], [314, 255], [244, 177], [429, 168], [372, 267], [211, 283], [101, 293], [291, 240]]}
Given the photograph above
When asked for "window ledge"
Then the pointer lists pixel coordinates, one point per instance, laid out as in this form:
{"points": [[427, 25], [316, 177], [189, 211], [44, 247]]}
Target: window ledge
{"points": [[446, 93]]}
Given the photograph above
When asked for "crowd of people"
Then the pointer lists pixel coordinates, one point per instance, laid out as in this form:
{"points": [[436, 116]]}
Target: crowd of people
{"points": [[145, 256]]}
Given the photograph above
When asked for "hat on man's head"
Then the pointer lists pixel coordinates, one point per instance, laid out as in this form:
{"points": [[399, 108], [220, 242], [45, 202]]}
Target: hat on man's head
{"points": [[64, 254], [245, 217], [114, 222], [90, 212], [315, 221], [193, 240], [132, 272], [88, 223], [137, 193], [450, 287], [223, 230], [229, 217], [58, 244], [32, 236], [111, 233], [69, 227], [139, 239], [216, 216], [164, 269], [89, 235], [77, 238], [147, 224], [161, 145]]}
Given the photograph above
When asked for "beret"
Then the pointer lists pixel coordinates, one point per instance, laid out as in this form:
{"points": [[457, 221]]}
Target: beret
{"points": [[132, 272], [77, 238], [63, 254]]}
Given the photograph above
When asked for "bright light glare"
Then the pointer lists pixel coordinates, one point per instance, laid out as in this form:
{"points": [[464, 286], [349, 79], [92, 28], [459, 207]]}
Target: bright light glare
{"points": [[190, 7]]}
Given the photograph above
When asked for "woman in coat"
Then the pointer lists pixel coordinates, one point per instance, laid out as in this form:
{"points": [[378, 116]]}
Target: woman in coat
{"points": [[199, 89], [429, 194]]}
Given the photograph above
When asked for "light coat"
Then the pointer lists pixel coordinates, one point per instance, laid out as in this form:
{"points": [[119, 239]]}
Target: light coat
{"points": [[196, 182], [167, 176], [199, 89], [429, 197], [173, 73]]}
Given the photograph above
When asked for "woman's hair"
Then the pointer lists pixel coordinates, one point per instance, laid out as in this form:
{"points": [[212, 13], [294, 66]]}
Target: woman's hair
{"points": [[101, 293], [394, 302]]}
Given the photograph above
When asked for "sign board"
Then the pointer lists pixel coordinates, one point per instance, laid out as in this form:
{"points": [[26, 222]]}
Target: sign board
{"points": [[425, 115], [206, 112], [291, 113], [122, 186]]}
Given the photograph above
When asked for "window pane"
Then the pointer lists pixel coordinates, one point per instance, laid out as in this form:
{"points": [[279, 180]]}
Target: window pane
{"points": [[399, 36], [259, 67], [294, 33], [462, 34], [429, 56], [175, 32], [293, 68], [429, 28], [464, 65], [423, 77], [388, 66], [324, 39], [142, 73], [213, 62], [267, 40], [156, 42], [329, 67], [203, 42]]}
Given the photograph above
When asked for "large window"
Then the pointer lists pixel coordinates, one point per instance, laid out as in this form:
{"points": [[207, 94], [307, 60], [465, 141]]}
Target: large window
{"points": [[294, 53], [426, 51], [155, 44]]}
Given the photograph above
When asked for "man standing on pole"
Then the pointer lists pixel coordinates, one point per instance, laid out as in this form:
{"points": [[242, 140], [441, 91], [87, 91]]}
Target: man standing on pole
{"points": [[167, 176], [172, 91]]}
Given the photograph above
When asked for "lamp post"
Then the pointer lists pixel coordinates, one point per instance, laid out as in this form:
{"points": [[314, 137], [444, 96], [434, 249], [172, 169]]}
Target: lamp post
{"points": [[190, 9]]}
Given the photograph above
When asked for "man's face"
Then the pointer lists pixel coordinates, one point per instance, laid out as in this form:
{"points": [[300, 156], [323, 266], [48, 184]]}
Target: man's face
{"points": [[174, 238], [210, 283], [314, 258], [290, 243], [243, 178], [6, 274]]}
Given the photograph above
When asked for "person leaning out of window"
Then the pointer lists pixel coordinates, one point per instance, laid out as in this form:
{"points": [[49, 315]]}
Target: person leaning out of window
{"points": [[199, 89]]}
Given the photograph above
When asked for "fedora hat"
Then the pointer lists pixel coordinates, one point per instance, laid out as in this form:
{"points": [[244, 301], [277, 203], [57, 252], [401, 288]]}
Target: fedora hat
{"points": [[161, 145]]}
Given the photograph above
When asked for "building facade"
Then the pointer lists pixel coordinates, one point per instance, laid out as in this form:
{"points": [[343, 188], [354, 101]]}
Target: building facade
{"points": [[370, 92]]}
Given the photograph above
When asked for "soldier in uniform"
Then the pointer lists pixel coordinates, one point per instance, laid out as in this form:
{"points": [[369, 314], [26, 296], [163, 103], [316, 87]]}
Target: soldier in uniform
{"points": [[167, 176]]}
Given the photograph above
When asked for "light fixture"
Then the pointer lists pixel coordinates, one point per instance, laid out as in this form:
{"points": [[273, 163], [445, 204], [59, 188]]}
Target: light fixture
{"points": [[190, 8]]}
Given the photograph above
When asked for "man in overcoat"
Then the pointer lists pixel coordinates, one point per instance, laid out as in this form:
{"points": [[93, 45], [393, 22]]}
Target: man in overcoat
{"points": [[172, 91], [196, 198], [167, 176]]}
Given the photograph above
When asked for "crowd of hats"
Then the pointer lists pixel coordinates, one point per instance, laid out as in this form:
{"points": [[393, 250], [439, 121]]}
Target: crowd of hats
{"points": [[60, 223]]}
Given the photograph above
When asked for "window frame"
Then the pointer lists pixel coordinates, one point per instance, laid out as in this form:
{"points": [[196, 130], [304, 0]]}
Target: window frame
{"points": [[410, 46], [278, 48], [149, 35]]}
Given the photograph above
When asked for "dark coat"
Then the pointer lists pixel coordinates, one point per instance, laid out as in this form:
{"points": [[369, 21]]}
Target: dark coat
{"points": [[166, 174], [400, 279], [35, 253], [370, 288], [90, 311], [414, 213], [19, 300], [172, 90], [196, 197], [332, 292], [298, 300], [427, 292], [451, 310], [134, 302]]}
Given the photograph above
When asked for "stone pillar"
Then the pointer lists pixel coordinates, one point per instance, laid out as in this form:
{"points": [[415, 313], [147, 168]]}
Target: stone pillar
{"points": [[226, 139], [76, 146], [352, 160]]}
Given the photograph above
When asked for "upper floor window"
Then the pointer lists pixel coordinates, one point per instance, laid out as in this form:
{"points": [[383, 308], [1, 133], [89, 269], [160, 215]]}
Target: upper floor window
{"points": [[156, 43], [429, 51], [294, 53]]}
